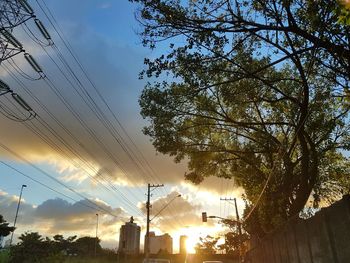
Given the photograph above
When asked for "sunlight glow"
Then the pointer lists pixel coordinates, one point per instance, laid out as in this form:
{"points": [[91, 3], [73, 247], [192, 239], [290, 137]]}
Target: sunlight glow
{"points": [[191, 243]]}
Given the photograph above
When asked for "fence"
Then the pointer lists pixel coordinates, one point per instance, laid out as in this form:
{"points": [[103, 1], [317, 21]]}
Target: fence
{"points": [[323, 238]]}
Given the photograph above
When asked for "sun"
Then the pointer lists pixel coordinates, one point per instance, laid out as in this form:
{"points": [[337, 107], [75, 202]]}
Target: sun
{"points": [[190, 244]]}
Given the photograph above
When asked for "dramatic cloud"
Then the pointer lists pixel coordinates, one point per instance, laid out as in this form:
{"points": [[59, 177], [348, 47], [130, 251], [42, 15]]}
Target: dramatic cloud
{"points": [[72, 140], [8, 205], [57, 216], [86, 140], [87, 145], [174, 211]]}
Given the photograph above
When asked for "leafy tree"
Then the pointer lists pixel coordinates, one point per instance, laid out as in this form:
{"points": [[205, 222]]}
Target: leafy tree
{"points": [[5, 229], [344, 12], [61, 245], [206, 245], [234, 243], [86, 246], [31, 248], [259, 94]]}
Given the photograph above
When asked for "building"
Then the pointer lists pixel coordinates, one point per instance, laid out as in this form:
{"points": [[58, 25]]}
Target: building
{"points": [[129, 238], [160, 244], [183, 247]]}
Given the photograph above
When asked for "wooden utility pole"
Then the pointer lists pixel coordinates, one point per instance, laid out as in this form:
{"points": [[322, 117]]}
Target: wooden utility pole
{"points": [[148, 206], [239, 225]]}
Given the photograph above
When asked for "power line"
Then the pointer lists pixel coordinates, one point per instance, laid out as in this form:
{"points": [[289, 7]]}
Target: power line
{"points": [[71, 51], [52, 189], [54, 133], [92, 105], [52, 178]]}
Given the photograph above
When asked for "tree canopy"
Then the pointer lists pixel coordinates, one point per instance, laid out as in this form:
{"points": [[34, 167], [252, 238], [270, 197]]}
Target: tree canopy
{"points": [[344, 12], [206, 245], [33, 247], [5, 229], [256, 91]]}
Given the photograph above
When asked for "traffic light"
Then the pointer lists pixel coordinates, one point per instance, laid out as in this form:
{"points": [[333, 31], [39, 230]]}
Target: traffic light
{"points": [[204, 217]]}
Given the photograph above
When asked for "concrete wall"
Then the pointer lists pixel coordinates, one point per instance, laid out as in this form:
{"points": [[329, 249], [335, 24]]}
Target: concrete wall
{"points": [[323, 238]]}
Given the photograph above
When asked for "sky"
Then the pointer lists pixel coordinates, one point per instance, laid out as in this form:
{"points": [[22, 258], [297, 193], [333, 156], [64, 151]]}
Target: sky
{"points": [[85, 148]]}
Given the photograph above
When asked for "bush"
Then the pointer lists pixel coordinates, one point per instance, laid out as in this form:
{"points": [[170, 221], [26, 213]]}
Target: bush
{"points": [[4, 255]]}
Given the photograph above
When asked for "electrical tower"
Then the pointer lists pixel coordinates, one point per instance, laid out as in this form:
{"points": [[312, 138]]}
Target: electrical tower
{"points": [[12, 14]]}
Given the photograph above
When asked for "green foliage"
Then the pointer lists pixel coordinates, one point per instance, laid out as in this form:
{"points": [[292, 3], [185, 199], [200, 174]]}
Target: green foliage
{"points": [[206, 245], [4, 256], [343, 12], [31, 248], [258, 94], [86, 246], [34, 248], [5, 229]]}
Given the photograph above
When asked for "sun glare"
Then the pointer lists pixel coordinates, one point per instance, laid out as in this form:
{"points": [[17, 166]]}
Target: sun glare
{"points": [[190, 244]]}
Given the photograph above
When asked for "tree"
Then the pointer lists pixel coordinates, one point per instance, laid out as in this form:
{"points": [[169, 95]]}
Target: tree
{"points": [[5, 229], [206, 245], [61, 245], [86, 246], [31, 248], [259, 94], [344, 12]]}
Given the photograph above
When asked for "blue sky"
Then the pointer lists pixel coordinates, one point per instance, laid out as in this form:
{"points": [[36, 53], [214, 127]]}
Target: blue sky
{"points": [[103, 35]]}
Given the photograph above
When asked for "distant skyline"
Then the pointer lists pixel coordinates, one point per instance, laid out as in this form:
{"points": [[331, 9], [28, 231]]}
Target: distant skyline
{"points": [[103, 35]]}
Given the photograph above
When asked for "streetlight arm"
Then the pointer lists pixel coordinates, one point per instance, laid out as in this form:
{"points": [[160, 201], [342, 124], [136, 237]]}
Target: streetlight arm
{"points": [[161, 210]]}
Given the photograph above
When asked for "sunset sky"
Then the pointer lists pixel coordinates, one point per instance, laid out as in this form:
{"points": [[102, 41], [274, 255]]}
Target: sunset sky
{"points": [[109, 162]]}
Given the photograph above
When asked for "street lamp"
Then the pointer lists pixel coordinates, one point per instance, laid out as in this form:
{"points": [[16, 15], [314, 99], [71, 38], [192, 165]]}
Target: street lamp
{"points": [[149, 221], [96, 233], [165, 206], [19, 202]]}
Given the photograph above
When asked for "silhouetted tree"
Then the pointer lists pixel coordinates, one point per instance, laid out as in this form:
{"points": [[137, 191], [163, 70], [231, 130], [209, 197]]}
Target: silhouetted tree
{"points": [[206, 245], [86, 246], [259, 93], [5, 229], [31, 248], [61, 245]]}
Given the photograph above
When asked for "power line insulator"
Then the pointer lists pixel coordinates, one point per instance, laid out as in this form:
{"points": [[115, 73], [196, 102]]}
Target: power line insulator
{"points": [[42, 29], [21, 102], [26, 7], [33, 63], [4, 86]]}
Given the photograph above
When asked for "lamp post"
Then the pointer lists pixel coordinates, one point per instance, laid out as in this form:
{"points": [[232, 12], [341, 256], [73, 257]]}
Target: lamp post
{"points": [[165, 206], [19, 203], [96, 234], [147, 252]]}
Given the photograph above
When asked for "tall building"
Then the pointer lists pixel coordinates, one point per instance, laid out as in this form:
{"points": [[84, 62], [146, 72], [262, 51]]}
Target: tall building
{"points": [[129, 238], [160, 244], [183, 248]]}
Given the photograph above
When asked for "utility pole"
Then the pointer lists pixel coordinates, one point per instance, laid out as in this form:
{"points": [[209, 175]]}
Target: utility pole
{"points": [[96, 234], [239, 226], [19, 203], [237, 217], [148, 206]]}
